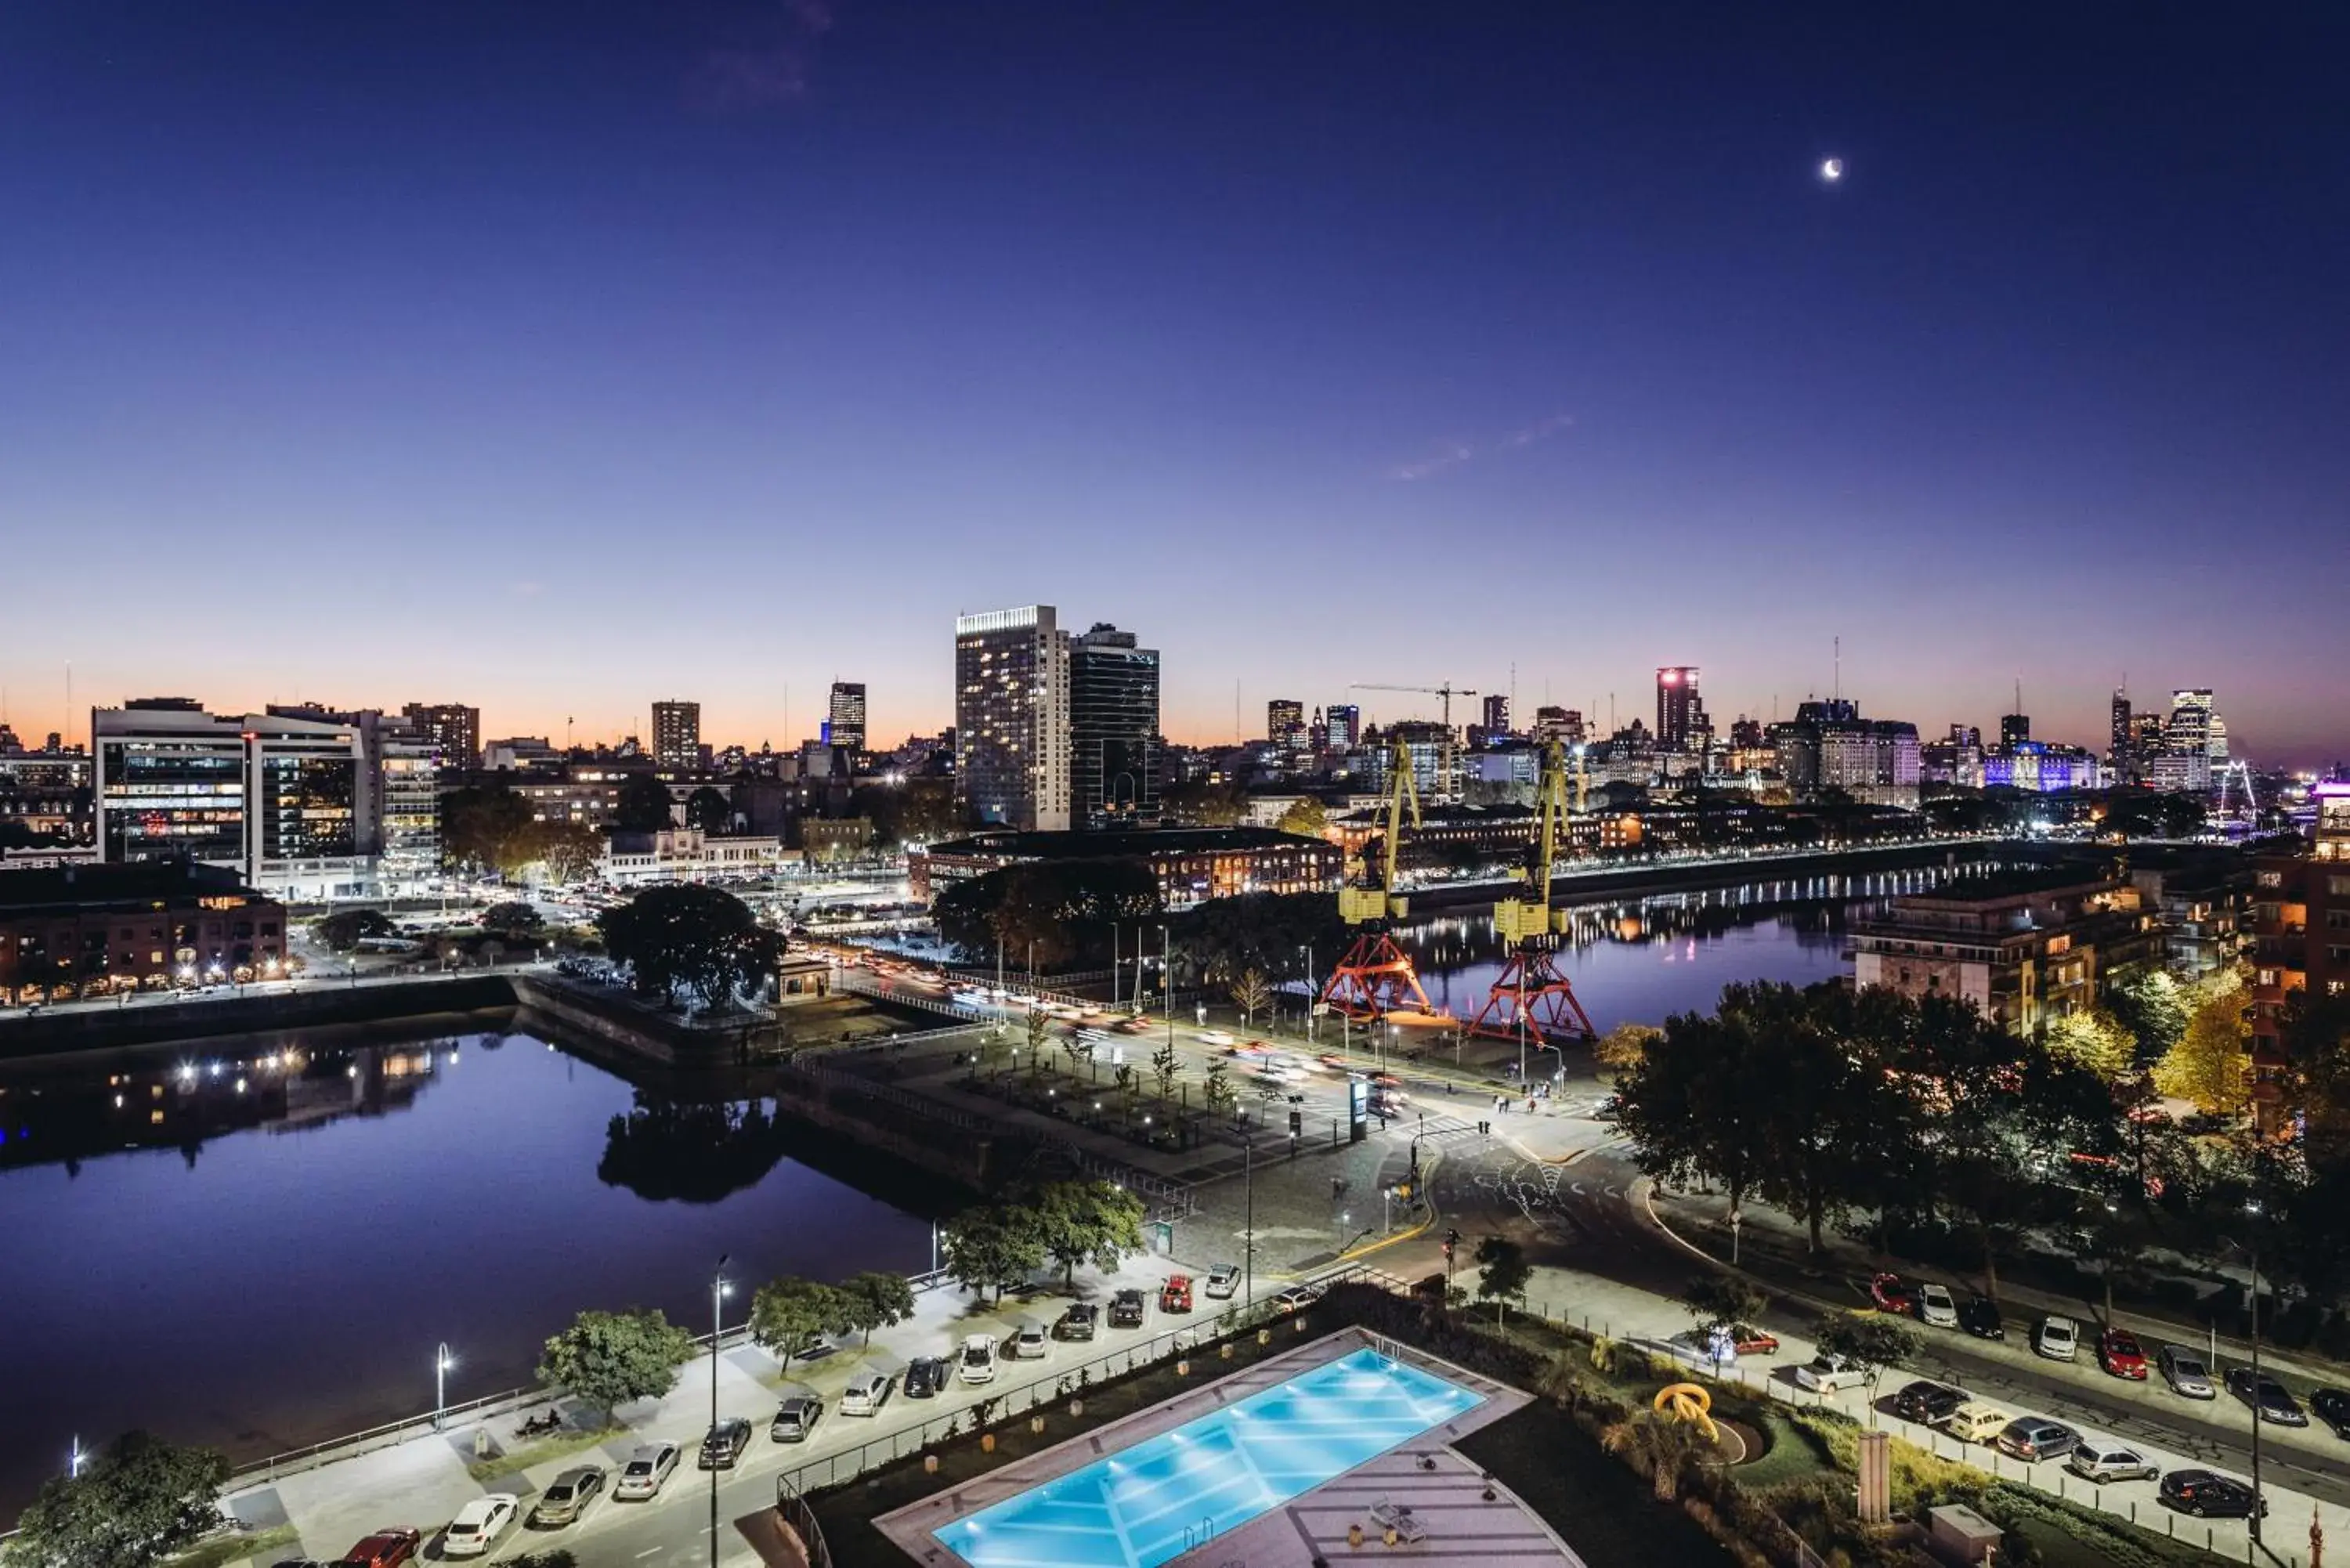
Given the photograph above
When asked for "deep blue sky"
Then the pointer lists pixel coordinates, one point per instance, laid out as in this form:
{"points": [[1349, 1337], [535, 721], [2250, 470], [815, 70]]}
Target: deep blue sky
{"points": [[559, 358]]}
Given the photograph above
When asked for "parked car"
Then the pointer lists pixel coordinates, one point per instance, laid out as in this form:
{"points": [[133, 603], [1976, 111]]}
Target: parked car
{"points": [[1223, 1282], [1926, 1402], [724, 1444], [1976, 1421], [2268, 1397], [977, 1364], [386, 1549], [1078, 1322], [478, 1524], [568, 1496], [2183, 1369], [2119, 1354], [1827, 1374], [2036, 1438], [2058, 1337], [1890, 1294], [1029, 1342], [1128, 1309], [2096, 1459], [1175, 1295], [1937, 1306], [865, 1394], [797, 1417], [2209, 1495], [2331, 1406], [1296, 1299], [1749, 1340], [927, 1377], [1979, 1315], [646, 1471]]}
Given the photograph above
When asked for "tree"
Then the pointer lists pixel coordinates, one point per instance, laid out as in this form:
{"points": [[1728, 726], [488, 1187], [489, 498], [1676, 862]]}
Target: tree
{"points": [[345, 929], [1165, 1068], [643, 805], [1691, 1108], [512, 918], [1307, 818], [1095, 1222], [1218, 1089], [1868, 1341], [1077, 1046], [609, 1358], [1203, 804], [991, 1248], [709, 810], [1040, 1030], [2151, 1006], [489, 827], [1250, 992], [1503, 1272], [875, 1299], [1066, 908], [139, 1502], [571, 851], [1723, 1300], [2208, 1065], [2094, 1043], [1623, 1048], [702, 940], [1665, 1446], [791, 1316]]}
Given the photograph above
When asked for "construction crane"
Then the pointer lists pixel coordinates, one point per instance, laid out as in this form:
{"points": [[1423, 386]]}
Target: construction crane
{"points": [[1448, 783], [1375, 974], [1531, 995]]}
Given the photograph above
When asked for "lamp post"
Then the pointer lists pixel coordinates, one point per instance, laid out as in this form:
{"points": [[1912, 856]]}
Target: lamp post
{"points": [[2253, 1261], [1166, 979], [75, 1460], [719, 1287], [441, 1361], [1248, 1254], [1311, 1001]]}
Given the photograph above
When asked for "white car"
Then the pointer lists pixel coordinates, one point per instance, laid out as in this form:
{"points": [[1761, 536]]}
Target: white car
{"points": [[977, 1362], [1827, 1374], [647, 1470], [1223, 1282], [1937, 1306], [1215, 1037], [2058, 1337], [478, 1524]]}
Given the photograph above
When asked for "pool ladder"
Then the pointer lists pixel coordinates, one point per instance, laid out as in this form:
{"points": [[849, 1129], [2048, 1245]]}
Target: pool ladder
{"points": [[1198, 1534]]}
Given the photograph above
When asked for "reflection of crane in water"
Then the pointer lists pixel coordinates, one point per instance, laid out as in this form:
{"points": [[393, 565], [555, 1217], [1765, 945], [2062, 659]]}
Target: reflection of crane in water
{"points": [[1376, 975], [2243, 819], [1532, 995]]}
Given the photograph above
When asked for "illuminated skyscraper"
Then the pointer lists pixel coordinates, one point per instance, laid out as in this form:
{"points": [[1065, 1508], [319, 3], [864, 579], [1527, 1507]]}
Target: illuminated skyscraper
{"points": [[677, 733], [1012, 718], [1682, 723]]}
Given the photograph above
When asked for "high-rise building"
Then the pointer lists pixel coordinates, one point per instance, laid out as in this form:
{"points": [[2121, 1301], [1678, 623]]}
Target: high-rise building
{"points": [[846, 726], [1012, 718], [1346, 721], [450, 729], [1114, 744], [677, 734], [1561, 724], [1828, 745], [1497, 714], [1285, 723], [2014, 728], [2120, 752], [307, 803], [2194, 742], [1682, 723]]}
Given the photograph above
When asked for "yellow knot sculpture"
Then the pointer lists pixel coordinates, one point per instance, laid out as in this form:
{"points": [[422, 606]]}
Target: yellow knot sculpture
{"points": [[1691, 1403]]}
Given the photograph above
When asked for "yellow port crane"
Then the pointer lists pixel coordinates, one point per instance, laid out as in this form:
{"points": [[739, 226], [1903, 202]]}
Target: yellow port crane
{"points": [[1531, 996], [1375, 974]]}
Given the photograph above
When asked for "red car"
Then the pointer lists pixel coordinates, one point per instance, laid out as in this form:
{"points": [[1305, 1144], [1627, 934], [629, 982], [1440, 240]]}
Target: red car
{"points": [[1890, 1294], [2118, 1353], [1752, 1341], [1175, 1295], [386, 1548]]}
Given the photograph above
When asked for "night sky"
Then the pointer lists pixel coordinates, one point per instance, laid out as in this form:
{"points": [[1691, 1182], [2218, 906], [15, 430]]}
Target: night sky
{"points": [[560, 358]]}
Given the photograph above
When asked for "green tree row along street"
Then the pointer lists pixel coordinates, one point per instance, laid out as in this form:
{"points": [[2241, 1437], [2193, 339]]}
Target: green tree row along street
{"points": [[1929, 1131]]}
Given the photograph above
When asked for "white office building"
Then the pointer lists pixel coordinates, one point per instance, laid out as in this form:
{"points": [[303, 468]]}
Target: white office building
{"points": [[1012, 718]]}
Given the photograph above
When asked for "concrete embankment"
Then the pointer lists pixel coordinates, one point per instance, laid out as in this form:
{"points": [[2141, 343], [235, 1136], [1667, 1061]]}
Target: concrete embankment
{"points": [[222, 1021]]}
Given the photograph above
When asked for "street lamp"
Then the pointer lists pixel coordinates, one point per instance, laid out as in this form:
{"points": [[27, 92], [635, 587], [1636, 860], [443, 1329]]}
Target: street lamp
{"points": [[76, 1460], [441, 1361], [2253, 1261], [1311, 999], [1166, 977], [719, 1288]]}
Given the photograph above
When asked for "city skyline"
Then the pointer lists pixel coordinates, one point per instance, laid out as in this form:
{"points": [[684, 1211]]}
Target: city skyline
{"points": [[944, 310]]}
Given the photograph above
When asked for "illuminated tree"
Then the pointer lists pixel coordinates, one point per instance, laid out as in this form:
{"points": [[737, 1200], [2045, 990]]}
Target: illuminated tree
{"points": [[2209, 1064]]}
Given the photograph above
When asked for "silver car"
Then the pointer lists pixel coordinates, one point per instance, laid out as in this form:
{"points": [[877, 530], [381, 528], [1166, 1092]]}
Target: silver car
{"points": [[648, 1468], [2184, 1370], [2096, 1459], [569, 1495]]}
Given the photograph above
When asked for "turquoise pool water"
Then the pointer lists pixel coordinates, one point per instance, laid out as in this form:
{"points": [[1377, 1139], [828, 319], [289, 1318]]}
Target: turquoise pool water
{"points": [[1163, 1496]]}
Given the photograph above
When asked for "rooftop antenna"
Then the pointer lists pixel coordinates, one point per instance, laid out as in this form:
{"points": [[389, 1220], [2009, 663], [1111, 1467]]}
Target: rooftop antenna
{"points": [[1839, 694]]}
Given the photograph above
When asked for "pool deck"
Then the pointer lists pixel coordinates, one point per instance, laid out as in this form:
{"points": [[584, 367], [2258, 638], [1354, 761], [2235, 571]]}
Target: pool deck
{"points": [[1444, 1491]]}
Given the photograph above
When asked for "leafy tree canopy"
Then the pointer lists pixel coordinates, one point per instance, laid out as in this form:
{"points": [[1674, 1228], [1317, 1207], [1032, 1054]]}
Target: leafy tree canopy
{"points": [[139, 1502], [643, 805], [701, 941], [1306, 816], [610, 1358], [514, 918], [1066, 907], [1503, 1272], [791, 1316], [994, 1246], [709, 811], [345, 929]]}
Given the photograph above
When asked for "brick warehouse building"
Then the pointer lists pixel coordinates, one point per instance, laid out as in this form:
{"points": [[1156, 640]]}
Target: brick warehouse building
{"points": [[93, 930]]}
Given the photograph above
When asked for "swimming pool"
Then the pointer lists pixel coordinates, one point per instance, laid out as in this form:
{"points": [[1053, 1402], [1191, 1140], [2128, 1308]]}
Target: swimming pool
{"points": [[1169, 1493]]}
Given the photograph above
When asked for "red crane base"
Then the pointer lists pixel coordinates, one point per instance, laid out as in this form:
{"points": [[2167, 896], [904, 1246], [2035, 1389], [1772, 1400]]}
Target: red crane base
{"points": [[1531, 988], [1374, 979]]}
